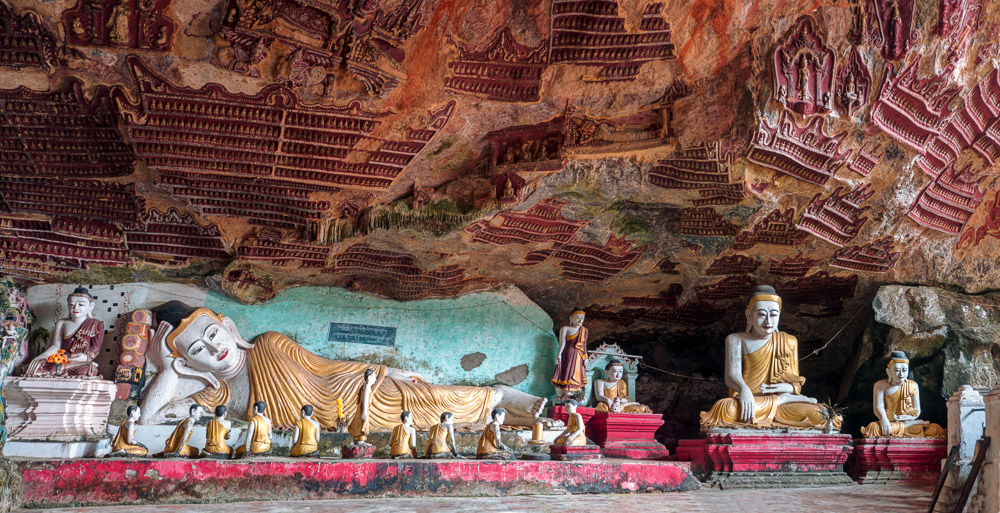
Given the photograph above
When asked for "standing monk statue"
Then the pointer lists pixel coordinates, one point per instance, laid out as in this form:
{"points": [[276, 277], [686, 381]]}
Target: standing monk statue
{"points": [[762, 372], [571, 359], [79, 335]]}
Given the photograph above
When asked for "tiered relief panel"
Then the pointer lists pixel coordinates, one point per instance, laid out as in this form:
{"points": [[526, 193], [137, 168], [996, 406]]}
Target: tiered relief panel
{"points": [[504, 71], [897, 460], [587, 262]]}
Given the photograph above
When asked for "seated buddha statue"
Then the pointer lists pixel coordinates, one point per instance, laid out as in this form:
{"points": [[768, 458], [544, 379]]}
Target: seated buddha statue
{"points": [[611, 391], [896, 403], [762, 373], [202, 359], [78, 335]]}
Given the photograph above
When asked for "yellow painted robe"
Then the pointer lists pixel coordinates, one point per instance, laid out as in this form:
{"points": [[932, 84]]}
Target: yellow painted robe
{"points": [[286, 377], [437, 440], [215, 438], [777, 361], [308, 441], [175, 443], [399, 443], [571, 426], [120, 443], [901, 403], [358, 428], [487, 443], [620, 389]]}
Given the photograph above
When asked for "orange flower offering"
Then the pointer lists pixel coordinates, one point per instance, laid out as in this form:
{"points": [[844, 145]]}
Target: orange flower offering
{"points": [[58, 358]]}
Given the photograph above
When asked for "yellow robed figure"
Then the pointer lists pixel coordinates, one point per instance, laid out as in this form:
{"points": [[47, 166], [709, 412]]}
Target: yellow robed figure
{"points": [[896, 403], [762, 372]]}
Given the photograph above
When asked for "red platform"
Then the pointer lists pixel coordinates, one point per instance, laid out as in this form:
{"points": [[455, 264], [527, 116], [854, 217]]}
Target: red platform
{"points": [[627, 435], [897, 460], [574, 452], [559, 413]]}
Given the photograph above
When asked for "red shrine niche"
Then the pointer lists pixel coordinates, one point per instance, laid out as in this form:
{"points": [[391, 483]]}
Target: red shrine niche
{"points": [[976, 125], [795, 266], [890, 26], [854, 83], [24, 43], [776, 228], [704, 222], [504, 70], [803, 70], [802, 152], [910, 110], [837, 218], [866, 158], [958, 21], [588, 262], [700, 168], [875, 257], [139, 24], [730, 287], [948, 201], [172, 238], [537, 147]]}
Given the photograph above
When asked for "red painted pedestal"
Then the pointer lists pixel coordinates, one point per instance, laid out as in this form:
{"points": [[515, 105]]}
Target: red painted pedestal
{"points": [[733, 460], [559, 413], [627, 435], [574, 452], [359, 452], [897, 460]]}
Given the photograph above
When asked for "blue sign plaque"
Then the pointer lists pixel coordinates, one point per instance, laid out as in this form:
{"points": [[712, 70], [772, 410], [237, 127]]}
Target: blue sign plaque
{"points": [[362, 334]]}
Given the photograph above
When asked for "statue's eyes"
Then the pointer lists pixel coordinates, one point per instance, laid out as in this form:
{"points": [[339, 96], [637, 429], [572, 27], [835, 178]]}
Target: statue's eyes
{"points": [[196, 350]]}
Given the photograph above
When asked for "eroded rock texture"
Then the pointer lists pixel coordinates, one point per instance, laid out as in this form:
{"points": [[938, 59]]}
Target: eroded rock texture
{"points": [[649, 161]]}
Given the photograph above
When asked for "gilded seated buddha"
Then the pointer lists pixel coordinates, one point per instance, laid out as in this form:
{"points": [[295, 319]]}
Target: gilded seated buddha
{"points": [[611, 392], [896, 402], [762, 373], [203, 360]]}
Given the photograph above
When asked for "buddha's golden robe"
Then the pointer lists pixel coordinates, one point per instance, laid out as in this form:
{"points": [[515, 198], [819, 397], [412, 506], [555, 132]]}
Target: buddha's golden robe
{"points": [[308, 441], [286, 377], [437, 440], [901, 403], [176, 442], [777, 361], [399, 443], [620, 389], [120, 442], [215, 438], [572, 425]]}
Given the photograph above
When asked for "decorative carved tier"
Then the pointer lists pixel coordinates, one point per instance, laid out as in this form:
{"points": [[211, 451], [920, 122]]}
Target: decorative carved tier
{"points": [[910, 110], [947, 202], [504, 70], [802, 152], [837, 218], [875, 257]]}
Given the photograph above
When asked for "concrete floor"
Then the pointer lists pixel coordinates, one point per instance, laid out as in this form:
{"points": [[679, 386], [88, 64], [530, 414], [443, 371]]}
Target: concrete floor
{"points": [[847, 499]]}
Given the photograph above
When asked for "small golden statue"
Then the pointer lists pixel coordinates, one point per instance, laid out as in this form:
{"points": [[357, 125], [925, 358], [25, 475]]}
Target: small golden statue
{"points": [[306, 434], [216, 434], [490, 447], [896, 403], [176, 445], [611, 391], [258, 434], [762, 372], [441, 439], [574, 432], [403, 444], [360, 424], [124, 444]]}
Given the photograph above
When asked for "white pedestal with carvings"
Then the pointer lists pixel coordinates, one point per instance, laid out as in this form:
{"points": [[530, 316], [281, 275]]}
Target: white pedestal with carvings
{"points": [[53, 417]]}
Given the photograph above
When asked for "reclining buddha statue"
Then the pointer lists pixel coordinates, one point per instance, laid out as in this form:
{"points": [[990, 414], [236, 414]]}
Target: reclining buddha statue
{"points": [[203, 360]]}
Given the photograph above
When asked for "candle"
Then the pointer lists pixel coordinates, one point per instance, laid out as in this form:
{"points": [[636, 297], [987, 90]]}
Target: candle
{"points": [[536, 431]]}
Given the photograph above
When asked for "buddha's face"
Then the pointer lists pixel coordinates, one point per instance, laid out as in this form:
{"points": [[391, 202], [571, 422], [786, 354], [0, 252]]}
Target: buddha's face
{"points": [[79, 307], [762, 318], [898, 372], [576, 320], [208, 345], [616, 372]]}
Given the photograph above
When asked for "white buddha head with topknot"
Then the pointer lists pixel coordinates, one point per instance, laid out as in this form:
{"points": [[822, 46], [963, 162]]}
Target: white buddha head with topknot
{"points": [[200, 342], [763, 311]]}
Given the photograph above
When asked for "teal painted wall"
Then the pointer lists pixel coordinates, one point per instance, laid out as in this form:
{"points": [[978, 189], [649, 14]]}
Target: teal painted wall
{"points": [[432, 335]]}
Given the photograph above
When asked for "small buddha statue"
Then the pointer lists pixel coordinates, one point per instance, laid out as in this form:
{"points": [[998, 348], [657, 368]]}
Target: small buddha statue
{"points": [[306, 434], [258, 434], [574, 432], [360, 424], [490, 447], [403, 443], [177, 443], [762, 372], [79, 335], [216, 435], [124, 444], [571, 373], [896, 401], [611, 391], [441, 438]]}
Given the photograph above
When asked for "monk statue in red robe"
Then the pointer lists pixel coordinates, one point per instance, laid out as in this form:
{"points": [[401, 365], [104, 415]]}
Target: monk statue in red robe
{"points": [[571, 373], [79, 338]]}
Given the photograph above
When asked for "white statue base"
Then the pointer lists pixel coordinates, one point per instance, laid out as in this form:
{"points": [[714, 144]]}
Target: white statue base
{"points": [[57, 409]]}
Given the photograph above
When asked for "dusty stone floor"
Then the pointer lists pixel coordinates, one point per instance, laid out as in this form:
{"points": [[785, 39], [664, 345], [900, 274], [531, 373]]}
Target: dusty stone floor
{"points": [[856, 499]]}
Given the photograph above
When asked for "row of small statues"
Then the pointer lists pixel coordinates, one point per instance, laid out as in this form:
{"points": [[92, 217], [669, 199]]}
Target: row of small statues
{"points": [[305, 436]]}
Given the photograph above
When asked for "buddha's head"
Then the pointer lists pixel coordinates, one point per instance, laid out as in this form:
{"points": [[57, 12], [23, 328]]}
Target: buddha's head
{"points": [[576, 318], [498, 415], [763, 311], [614, 370], [133, 413], [571, 406], [203, 343], [406, 418], [898, 368], [307, 411], [447, 418], [220, 411], [80, 304]]}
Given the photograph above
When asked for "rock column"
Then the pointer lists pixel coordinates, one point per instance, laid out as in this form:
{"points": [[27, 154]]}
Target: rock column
{"points": [[987, 494], [966, 417]]}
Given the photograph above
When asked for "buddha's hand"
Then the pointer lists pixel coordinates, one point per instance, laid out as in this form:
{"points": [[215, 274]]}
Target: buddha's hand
{"points": [[404, 375], [748, 408], [886, 427], [777, 388], [35, 365], [903, 418], [78, 358]]}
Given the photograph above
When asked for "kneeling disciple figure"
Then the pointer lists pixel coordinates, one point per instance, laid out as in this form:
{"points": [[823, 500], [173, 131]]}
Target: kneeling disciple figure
{"points": [[762, 372], [124, 443], [441, 439], [306, 434], [490, 446], [896, 403], [258, 434], [574, 432], [403, 444], [177, 443], [611, 391], [216, 434]]}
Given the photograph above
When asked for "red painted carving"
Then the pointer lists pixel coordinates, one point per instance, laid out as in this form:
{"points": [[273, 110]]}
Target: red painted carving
{"points": [[700, 168], [975, 125], [88, 199], [590, 32], [503, 71], [284, 253], [803, 69], [730, 287], [802, 152], [866, 158], [910, 110], [665, 299], [377, 33], [35, 248], [24, 43], [542, 223], [776, 228], [837, 218], [640, 130], [819, 289], [61, 134], [587, 262], [704, 222], [121, 23], [959, 20], [854, 83], [507, 187], [173, 238], [528, 147], [795, 266], [667, 266], [734, 264], [698, 313], [624, 317], [875, 257], [989, 228], [890, 26], [949, 200]]}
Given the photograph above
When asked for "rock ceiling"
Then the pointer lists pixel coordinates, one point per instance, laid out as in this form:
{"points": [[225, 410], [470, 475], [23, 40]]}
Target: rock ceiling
{"points": [[649, 161]]}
